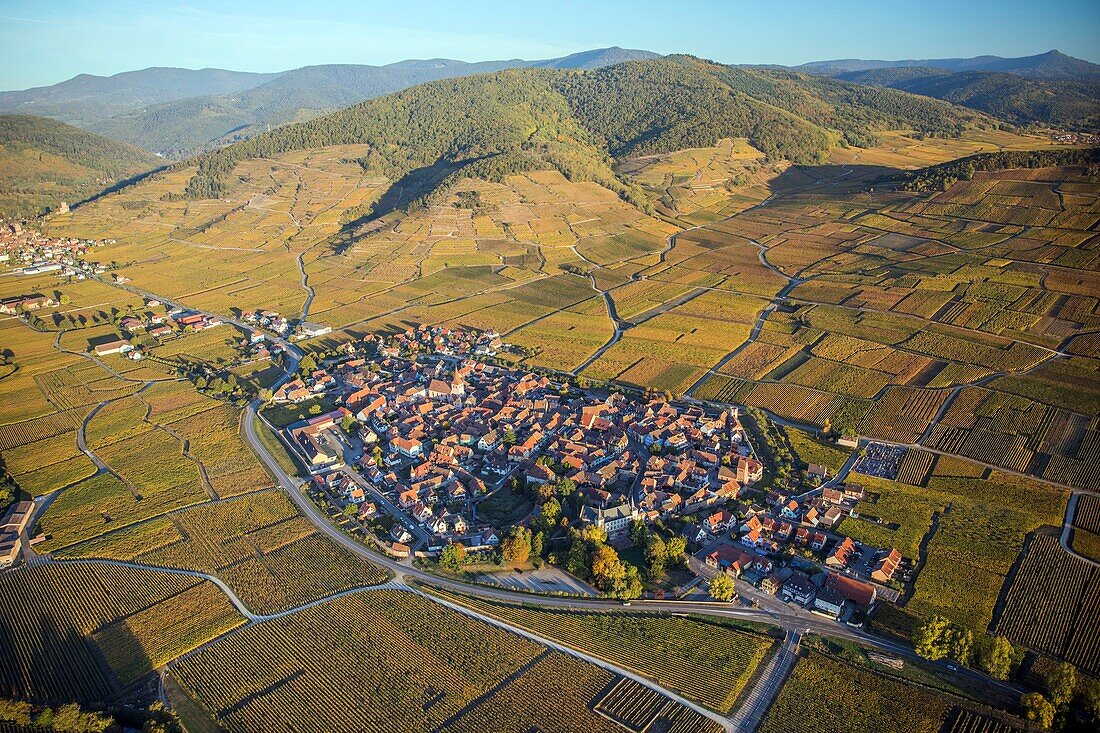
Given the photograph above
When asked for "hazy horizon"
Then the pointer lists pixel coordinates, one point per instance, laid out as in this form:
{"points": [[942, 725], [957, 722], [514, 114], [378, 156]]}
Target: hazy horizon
{"points": [[114, 37]]}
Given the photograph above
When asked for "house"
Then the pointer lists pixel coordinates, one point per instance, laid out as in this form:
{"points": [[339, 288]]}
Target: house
{"points": [[694, 534], [817, 471], [730, 559], [828, 602], [858, 592], [719, 522], [843, 554], [790, 510], [310, 330], [832, 496], [406, 447], [131, 324], [886, 566], [818, 540], [771, 584], [847, 442], [799, 589], [114, 346], [11, 530]]}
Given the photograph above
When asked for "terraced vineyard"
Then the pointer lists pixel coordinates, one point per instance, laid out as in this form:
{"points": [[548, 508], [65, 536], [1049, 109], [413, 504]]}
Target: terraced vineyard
{"points": [[1064, 624], [77, 631], [681, 654]]}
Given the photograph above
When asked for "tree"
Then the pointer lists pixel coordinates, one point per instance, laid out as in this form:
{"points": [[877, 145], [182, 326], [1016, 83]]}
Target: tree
{"points": [[938, 638], [996, 657], [607, 569], [576, 562], [1038, 709], [307, 364], [516, 547], [70, 718], [550, 511], [538, 544], [931, 639], [721, 587], [1061, 682], [1089, 691], [452, 556], [509, 437], [656, 556], [638, 532], [676, 548]]}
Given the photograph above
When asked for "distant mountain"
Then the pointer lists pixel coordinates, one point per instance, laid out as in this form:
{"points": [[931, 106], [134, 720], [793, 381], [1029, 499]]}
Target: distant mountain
{"points": [[492, 125], [84, 99], [44, 162], [1052, 65], [1016, 99], [181, 124]]}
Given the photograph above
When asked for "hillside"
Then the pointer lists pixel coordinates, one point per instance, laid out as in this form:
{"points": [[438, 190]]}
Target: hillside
{"points": [[44, 162], [575, 120], [1052, 65], [86, 99], [1009, 97], [187, 119]]}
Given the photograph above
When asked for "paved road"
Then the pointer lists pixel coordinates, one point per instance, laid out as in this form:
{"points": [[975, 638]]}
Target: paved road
{"points": [[1067, 528]]}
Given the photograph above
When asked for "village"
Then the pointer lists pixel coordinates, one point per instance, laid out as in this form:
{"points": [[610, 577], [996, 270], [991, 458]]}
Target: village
{"points": [[432, 430]]}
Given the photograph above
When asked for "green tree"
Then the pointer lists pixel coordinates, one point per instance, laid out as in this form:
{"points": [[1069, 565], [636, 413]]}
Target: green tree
{"points": [[307, 365], [1038, 709], [71, 719], [721, 587], [452, 556], [538, 544], [550, 512], [932, 638], [656, 556], [676, 548], [1061, 682], [576, 562], [996, 657], [516, 547], [639, 532]]}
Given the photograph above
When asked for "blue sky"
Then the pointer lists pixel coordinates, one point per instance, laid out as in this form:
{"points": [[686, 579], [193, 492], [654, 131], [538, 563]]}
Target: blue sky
{"points": [[46, 41]]}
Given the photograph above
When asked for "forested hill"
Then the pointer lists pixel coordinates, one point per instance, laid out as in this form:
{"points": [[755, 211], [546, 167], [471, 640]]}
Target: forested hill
{"points": [[44, 162], [577, 120], [1016, 99]]}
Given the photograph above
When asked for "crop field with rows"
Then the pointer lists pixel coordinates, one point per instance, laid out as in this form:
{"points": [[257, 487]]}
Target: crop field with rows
{"points": [[271, 556], [967, 721], [641, 709], [681, 654], [1064, 624], [823, 695], [79, 631], [457, 674]]}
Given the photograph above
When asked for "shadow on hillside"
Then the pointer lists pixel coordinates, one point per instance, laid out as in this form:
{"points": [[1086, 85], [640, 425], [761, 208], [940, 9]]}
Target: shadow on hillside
{"points": [[830, 179]]}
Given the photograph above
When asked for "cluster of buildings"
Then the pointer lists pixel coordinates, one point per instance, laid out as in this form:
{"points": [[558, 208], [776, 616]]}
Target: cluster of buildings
{"points": [[12, 528], [270, 320], [31, 302], [437, 430], [31, 252]]}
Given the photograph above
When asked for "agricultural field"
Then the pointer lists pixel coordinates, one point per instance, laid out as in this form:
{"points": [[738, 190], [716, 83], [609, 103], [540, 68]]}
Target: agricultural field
{"points": [[1021, 434], [680, 654], [458, 674], [1064, 624], [1085, 537], [79, 631], [272, 556], [824, 694], [972, 529]]}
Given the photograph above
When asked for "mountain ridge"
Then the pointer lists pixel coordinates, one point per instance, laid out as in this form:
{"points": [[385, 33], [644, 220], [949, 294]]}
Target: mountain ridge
{"points": [[1051, 65]]}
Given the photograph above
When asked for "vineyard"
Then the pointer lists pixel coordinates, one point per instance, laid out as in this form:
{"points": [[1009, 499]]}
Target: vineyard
{"points": [[1087, 516], [64, 627], [1022, 435], [642, 709], [259, 544], [389, 661], [902, 414], [702, 660], [967, 721], [915, 467], [1064, 624], [824, 695]]}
